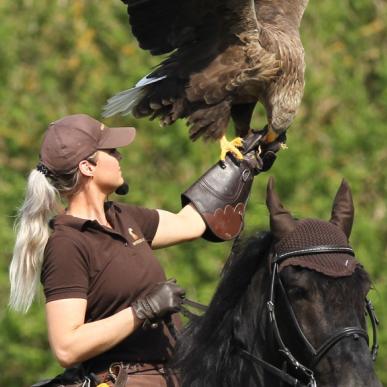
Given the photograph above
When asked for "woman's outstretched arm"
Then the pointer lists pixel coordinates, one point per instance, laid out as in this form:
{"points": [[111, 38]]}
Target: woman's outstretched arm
{"points": [[176, 228]]}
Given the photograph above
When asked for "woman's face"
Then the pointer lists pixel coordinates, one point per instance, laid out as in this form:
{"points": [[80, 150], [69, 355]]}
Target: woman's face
{"points": [[107, 174]]}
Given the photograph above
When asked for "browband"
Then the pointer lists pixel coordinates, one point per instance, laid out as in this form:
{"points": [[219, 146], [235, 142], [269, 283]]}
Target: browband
{"points": [[313, 250]]}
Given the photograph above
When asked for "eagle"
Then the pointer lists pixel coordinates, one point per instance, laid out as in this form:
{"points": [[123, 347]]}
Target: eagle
{"points": [[225, 56]]}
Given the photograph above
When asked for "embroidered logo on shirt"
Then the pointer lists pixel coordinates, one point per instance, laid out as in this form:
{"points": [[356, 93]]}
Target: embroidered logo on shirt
{"points": [[136, 239]]}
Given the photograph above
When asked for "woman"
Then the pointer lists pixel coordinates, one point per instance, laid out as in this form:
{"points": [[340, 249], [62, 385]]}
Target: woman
{"points": [[104, 288]]}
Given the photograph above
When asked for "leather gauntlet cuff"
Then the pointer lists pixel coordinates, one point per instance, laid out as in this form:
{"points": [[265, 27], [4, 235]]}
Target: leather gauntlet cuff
{"points": [[220, 197]]}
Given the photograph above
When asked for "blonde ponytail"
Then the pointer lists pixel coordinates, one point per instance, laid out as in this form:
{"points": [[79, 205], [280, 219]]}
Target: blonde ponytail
{"points": [[40, 204]]}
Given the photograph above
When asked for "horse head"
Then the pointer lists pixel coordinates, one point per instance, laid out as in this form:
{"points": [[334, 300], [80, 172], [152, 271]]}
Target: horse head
{"points": [[289, 309], [319, 293]]}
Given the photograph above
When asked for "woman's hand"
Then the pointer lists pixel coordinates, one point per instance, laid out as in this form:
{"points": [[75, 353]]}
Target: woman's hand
{"points": [[164, 299]]}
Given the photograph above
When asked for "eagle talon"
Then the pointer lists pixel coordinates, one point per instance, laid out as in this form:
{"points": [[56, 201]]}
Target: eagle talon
{"points": [[231, 146]]}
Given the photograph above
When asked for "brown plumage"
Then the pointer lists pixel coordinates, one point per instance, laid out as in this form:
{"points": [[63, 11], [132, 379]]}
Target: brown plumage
{"points": [[226, 55]]}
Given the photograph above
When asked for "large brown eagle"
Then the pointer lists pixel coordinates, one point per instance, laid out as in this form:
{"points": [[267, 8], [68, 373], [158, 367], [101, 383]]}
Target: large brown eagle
{"points": [[226, 55]]}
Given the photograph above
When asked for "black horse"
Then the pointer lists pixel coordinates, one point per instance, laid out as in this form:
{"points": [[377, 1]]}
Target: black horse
{"points": [[290, 309]]}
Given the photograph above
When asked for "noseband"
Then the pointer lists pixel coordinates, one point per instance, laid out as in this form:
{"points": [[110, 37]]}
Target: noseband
{"points": [[315, 354]]}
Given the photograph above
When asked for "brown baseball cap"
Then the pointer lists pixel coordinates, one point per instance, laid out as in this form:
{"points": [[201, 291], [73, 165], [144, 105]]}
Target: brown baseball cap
{"points": [[73, 138]]}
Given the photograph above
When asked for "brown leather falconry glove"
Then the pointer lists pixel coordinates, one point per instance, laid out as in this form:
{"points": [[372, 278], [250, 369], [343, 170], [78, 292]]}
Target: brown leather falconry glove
{"points": [[164, 299], [221, 194]]}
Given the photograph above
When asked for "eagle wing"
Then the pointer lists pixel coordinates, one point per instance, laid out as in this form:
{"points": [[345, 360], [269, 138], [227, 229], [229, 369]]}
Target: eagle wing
{"points": [[162, 26], [216, 61]]}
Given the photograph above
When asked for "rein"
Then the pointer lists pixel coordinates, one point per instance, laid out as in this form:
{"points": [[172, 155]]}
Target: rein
{"points": [[196, 305], [185, 312]]}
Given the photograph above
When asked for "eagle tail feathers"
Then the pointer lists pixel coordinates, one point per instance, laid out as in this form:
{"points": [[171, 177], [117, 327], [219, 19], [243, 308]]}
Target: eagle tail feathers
{"points": [[126, 100]]}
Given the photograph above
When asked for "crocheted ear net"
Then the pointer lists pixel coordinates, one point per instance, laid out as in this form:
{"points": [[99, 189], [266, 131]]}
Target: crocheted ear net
{"points": [[312, 233]]}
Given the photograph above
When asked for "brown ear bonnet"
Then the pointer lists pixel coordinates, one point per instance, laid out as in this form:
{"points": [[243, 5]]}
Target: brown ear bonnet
{"points": [[292, 234]]}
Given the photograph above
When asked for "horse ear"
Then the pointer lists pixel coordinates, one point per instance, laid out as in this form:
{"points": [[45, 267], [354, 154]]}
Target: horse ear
{"points": [[343, 210], [281, 221]]}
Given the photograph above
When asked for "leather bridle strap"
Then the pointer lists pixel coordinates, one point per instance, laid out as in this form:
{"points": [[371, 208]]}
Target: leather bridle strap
{"points": [[268, 367], [317, 354], [375, 322], [345, 332], [308, 373], [185, 312], [196, 305], [329, 343], [313, 250], [285, 377], [324, 348]]}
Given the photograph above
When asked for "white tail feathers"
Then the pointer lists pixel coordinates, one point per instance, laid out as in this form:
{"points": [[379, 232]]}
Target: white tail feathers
{"points": [[124, 101]]}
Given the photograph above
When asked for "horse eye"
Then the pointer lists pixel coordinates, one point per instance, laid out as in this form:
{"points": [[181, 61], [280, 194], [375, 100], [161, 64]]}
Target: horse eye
{"points": [[297, 293]]}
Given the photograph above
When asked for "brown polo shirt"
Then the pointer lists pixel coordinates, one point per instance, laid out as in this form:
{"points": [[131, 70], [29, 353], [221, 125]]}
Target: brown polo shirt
{"points": [[110, 268]]}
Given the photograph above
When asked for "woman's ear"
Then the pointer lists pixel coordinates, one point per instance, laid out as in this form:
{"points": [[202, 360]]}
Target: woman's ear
{"points": [[86, 168]]}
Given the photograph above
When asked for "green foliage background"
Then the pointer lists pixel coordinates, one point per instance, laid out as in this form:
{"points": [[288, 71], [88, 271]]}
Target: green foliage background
{"points": [[59, 57]]}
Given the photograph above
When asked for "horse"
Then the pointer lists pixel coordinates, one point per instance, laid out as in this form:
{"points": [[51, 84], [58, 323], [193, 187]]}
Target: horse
{"points": [[290, 309]]}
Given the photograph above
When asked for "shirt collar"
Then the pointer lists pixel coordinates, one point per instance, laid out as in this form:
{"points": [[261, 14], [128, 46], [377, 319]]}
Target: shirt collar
{"points": [[80, 223], [69, 221]]}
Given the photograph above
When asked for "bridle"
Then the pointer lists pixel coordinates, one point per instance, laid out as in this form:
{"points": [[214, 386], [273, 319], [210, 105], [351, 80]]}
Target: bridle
{"points": [[315, 354]]}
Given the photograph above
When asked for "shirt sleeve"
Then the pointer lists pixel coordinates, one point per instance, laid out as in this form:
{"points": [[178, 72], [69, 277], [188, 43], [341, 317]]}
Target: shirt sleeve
{"points": [[64, 270], [147, 219]]}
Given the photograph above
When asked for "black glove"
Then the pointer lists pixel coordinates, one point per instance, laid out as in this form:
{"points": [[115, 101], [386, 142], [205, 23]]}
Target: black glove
{"points": [[164, 299]]}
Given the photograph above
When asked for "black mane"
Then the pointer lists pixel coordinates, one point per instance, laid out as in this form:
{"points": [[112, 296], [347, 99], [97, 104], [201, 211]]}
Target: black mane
{"points": [[230, 319]]}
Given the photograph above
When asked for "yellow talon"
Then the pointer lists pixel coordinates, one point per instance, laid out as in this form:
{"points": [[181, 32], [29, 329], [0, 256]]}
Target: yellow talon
{"points": [[103, 385], [237, 141], [231, 146]]}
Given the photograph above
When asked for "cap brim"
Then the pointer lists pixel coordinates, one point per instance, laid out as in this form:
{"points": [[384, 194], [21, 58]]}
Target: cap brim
{"points": [[116, 137]]}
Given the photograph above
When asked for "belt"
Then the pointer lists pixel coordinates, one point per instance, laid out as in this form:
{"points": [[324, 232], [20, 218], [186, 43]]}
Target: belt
{"points": [[118, 372]]}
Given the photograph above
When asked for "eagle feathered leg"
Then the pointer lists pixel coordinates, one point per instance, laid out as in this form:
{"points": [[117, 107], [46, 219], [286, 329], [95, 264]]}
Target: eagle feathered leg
{"points": [[210, 121], [241, 114]]}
